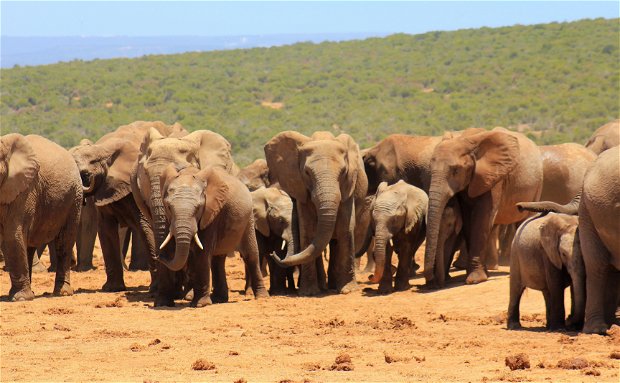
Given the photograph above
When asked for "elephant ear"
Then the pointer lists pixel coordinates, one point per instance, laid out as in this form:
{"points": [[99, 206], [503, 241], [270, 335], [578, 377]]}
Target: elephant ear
{"points": [[496, 155], [416, 205], [120, 156], [213, 150], [21, 169], [151, 136], [550, 232], [216, 194], [282, 155], [355, 164], [169, 174], [260, 207]]}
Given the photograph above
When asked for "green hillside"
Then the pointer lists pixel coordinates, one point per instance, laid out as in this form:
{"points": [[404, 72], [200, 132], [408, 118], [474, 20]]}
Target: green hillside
{"points": [[558, 82]]}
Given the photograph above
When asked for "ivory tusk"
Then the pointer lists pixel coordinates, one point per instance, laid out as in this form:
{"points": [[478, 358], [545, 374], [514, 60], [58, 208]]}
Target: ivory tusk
{"points": [[391, 243], [198, 241], [168, 238], [283, 245], [91, 185]]}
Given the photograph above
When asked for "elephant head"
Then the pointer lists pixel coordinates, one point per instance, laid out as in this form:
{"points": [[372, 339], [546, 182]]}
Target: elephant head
{"points": [[198, 149], [321, 169], [396, 208], [18, 166], [192, 199], [273, 212], [559, 238], [471, 164], [255, 175]]}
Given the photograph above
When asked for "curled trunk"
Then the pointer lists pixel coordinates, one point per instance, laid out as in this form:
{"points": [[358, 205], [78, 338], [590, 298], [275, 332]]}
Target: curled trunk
{"points": [[570, 208], [379, 252]]}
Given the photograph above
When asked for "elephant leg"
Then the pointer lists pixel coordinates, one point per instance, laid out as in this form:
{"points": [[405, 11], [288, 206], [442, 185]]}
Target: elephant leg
{"points": [[249, 249], [87, 234], [596, 259], [63, 249], [516, 291], [344, 270], [16, 257], [403, 272], [53, 257], [220, 285], [140, 254], [200, 270], [167, 287], [505, 241], [481, 224], [110, 247], [492, 254], [37, 266], [554, 301], [144, 234], [385, 284], [611, 298], [124, 238]]}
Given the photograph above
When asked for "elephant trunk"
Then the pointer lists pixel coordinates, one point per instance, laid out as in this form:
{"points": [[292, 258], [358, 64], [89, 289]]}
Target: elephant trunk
{"points": [[183, 229], [382, 236], [91, 185], [157, 211], [570, 208], [327, 201], [436, 204]]}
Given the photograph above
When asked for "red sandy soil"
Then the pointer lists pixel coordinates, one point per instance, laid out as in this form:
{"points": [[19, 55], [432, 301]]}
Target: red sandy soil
{"points": [[455, 334]]}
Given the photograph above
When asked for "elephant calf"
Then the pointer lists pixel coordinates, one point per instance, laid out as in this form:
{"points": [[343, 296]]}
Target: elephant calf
{"points": [[546, 256], [398, 221]]}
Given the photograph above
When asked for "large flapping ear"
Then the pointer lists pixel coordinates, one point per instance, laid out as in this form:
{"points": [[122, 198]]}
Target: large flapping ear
{"points": [[416, 205], [354, 165], [260, 205], [213, 150], [151, 136], [496, 155], [216, 194], [381, 188], [120, 156], [550, 233], [282, 155], [21, 166]]}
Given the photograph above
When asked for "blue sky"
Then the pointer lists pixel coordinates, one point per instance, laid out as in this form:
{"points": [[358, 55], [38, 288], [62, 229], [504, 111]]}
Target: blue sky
{"points": [[116, 18]]}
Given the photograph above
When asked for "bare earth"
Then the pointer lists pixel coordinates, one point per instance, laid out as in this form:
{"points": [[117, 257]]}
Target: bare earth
{"points": [[456, 334]]}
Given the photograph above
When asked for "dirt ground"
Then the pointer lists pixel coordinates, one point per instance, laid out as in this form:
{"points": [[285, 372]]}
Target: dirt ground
{"points": [[456, 334]]}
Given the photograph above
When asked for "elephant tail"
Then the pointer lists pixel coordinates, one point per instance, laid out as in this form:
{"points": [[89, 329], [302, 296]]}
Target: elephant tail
{"points": [[570, 208]]}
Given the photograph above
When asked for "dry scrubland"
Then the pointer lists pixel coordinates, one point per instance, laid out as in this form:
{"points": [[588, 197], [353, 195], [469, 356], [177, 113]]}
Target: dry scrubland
{"points": [[456, 334]]}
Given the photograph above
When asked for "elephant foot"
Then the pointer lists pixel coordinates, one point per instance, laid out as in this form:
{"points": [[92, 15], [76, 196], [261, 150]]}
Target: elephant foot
{"points": [[348, 288], [164, 302], [202, 302], [555, 326], [39, 268], [402, 286], [278, 291], [595, 327], [573, 324], [112, 287], [513, 325], [63, 289], [261, 293], [385, 289], [190, 296], [138, 267], [309, 291], [25, 294], [81, 268], [460, 264], [494, 266], [476, 276], [219, 298]]}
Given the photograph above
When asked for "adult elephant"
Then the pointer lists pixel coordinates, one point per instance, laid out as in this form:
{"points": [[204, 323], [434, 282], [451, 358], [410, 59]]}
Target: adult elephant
{"points": [[598, 209], [488, 172], [605, 137], [325, 176], [105, 168], [273, 220], [255, 175], [199, 149], [564, 167], [37, 178]]}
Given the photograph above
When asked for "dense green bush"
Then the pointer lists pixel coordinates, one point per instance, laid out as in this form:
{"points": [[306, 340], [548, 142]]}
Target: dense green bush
{"points": [[557, 82]]}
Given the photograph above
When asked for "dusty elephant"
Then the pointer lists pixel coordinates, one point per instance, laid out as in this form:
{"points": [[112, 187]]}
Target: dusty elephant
{"points": [[564, 167], [212, 207], [598, 209], [325, 176], [489, 172], [605, 137], [255, 175], [105, 168], [200, 149], [273, 220], [398, 222], [37, 178], [546, 256]]}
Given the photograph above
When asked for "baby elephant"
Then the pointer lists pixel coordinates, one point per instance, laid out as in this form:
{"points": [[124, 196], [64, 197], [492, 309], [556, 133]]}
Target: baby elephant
{"points": [[546, 256], [398, 221], [213, 208]]}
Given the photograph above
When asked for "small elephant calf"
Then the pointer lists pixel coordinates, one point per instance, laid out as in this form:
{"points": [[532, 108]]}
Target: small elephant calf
{"points": [[546, 256]]}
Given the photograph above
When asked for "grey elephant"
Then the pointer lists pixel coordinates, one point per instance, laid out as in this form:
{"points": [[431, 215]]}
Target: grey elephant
{"points": [[598, 209], [605, 137], [105, 168], [398, 223], [325, 175], [212, 207], [546, 256], [255, 175], [201, 148], [273, 220], [40, 202]]}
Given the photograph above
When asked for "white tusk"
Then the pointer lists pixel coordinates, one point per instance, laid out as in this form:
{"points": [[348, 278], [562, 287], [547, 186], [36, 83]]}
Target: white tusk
{"points": [[198, 241], [283, 245], [168, 238], [391, 243]]}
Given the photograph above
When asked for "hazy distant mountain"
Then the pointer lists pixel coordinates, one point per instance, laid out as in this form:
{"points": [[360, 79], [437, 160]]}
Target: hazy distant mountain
{"points": [[48, 50]]}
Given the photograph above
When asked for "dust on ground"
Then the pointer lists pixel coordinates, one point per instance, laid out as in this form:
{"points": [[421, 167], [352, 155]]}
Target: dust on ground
{"points": [[455, 334]]}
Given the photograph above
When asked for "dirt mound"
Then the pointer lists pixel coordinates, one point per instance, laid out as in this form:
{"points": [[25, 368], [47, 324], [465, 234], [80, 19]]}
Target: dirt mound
{"points": [[518, 362], [203, 365], [573, 364]]}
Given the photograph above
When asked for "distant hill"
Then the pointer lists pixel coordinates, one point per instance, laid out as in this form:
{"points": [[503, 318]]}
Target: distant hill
{"points": [[556, 82]]}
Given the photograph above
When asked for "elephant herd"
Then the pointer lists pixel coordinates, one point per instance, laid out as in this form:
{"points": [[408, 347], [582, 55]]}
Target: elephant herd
{"points": [[188, 207]]}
